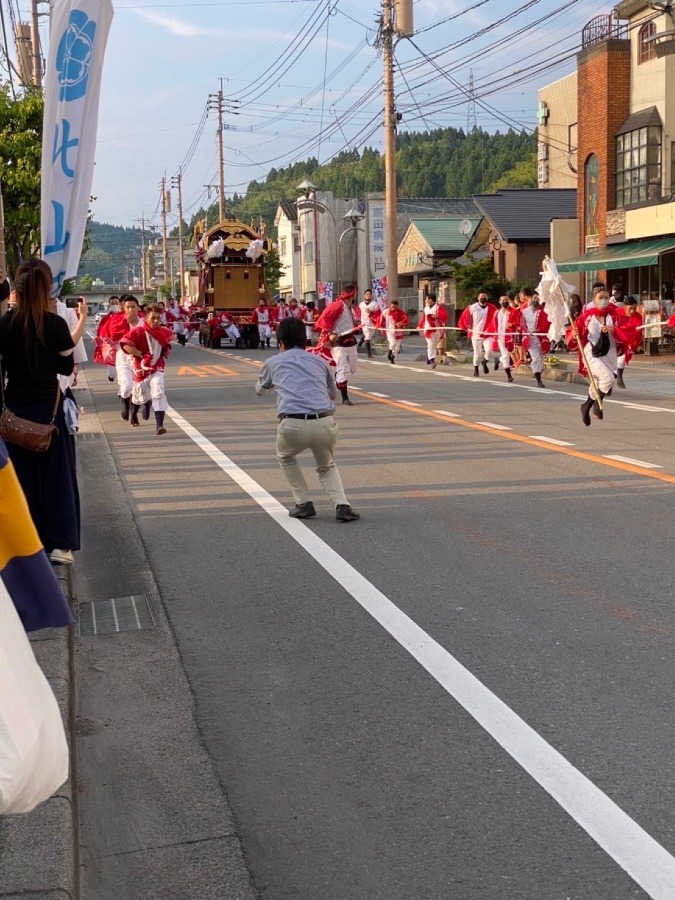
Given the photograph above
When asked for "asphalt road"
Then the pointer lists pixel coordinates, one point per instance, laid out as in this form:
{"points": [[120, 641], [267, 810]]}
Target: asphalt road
{"points": [[469, 693]]}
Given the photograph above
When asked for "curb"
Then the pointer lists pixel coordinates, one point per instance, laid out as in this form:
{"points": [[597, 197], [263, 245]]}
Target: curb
{"points": [[39, 850]]}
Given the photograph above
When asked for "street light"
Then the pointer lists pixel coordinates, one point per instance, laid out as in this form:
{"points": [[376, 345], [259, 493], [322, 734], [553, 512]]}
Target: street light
{"points": [[353, 216], [310, 202]]}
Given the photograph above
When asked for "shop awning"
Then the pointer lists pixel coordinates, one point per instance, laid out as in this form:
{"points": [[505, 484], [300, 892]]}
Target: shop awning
{"points": [[619, 256]]}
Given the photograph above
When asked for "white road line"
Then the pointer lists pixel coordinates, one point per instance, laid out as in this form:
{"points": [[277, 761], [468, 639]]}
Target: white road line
{"points": [[408, 403], [634, 462], [498, 427], [376, 394], [540, 437], [643, 408], [353, 387], [444, 412], [645, 860]]}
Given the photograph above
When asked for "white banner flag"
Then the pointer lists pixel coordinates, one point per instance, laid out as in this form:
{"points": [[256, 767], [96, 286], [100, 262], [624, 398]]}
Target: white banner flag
{"points": [[79, 31]]}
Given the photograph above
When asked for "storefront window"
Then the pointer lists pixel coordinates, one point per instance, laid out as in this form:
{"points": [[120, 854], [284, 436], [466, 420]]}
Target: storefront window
{"points": [[638, 166]]}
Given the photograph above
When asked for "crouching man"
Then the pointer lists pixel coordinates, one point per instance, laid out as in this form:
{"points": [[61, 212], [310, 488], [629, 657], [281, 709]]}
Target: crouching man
{"points": [[305, 393]]}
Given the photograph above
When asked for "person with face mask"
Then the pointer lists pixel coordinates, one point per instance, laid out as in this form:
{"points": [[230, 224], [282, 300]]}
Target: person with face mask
{"points": [[602, 327], [535, 325], [479, 322]]}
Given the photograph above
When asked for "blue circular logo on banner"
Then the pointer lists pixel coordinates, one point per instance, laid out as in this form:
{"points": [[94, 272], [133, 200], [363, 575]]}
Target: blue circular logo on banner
{"points": [[74, 54]]}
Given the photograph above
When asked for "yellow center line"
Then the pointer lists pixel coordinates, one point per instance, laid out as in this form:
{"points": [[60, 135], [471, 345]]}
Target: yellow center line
{"points": [[246, 362], [531, 442]]}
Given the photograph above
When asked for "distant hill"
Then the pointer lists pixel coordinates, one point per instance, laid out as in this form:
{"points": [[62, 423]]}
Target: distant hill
{"points": [[445, 162]]}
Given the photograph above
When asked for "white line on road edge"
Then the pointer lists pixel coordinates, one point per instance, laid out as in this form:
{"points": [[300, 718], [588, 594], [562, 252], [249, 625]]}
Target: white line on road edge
{"points": [[444, 412], [498, 427], [634, 462], [408, 403], [376, 394], [540, 437], [645, 860]]}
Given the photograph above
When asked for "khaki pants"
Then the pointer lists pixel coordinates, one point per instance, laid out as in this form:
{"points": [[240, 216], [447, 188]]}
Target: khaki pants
{"points": [[319, 436]]}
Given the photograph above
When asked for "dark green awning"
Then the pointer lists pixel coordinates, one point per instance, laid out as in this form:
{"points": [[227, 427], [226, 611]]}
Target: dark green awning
{"points": [[619, 256]]}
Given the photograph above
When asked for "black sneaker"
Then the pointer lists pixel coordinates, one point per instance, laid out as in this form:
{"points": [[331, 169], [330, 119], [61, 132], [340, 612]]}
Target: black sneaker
{"points": [[344, 513], [302, 511]]}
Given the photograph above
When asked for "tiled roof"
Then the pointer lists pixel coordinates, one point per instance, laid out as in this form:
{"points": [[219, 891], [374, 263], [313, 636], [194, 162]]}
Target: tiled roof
{"points": [[447, 235], [525, 215], [408, 208]]}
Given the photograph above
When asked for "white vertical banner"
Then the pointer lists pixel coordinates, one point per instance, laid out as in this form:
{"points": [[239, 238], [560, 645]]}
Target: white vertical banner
{"points": [[79, 32]]}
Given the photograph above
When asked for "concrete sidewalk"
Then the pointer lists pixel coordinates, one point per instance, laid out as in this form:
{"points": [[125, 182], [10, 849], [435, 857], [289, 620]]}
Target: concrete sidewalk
{"points": [[39, 850], [143, 804]]}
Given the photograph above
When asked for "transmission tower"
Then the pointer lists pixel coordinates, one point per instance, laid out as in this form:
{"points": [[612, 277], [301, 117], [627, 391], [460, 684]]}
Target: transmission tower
{"points": [[471, 119]]}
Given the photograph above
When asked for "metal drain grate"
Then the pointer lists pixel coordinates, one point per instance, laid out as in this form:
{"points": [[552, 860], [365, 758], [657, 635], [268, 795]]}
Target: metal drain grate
{"points": [[115, 615]]}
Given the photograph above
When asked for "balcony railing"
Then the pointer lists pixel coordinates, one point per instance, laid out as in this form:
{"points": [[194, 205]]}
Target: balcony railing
{"points": [[603, 28]]}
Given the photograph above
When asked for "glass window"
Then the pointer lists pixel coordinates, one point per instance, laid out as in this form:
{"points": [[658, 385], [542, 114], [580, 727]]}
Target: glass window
{"points": [[646, 48], [638, 166], [308, 253]]}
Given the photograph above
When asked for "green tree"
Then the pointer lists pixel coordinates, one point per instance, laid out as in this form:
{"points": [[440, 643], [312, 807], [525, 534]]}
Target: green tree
{"points": [[20, 161], [273, 270], [522, 175], [478, 276]]}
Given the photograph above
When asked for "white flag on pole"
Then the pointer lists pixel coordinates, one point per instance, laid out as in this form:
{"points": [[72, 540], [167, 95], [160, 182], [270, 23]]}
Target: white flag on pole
{"points": [[79, 31], [554, 295]]}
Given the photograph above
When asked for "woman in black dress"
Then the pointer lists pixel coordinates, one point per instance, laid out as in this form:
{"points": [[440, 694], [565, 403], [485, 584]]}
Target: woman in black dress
{"points": [[36, 346]]}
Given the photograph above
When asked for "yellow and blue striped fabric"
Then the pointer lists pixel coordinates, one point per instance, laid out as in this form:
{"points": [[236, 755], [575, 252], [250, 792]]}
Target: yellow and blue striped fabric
{"points": [[24, 567]]}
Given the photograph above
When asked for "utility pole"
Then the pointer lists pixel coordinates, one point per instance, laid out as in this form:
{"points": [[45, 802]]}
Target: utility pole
{"points": [[176, 182], [397, 19], [218, 102], [35, 42], [143, 280], [165, 256], [390, 120]]}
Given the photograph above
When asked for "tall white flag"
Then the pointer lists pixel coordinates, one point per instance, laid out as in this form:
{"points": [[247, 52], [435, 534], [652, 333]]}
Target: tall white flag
{"points": [[79, 31]]}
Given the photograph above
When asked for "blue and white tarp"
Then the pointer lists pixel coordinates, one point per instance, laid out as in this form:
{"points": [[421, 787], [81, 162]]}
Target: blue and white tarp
{"points": [[79, 32]]}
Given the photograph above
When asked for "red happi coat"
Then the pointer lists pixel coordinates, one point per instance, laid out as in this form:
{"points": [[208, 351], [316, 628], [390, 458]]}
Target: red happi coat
{"points": [[394, 319], [489, 326], [430, 321], [540, 330], [256, 315], [631, 322], [329, 317], [153, 343], [111, 329], [625, 330]]}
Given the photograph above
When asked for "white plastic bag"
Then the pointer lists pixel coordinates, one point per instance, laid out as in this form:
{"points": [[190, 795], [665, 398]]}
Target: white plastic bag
{"points": [[33, 745]]}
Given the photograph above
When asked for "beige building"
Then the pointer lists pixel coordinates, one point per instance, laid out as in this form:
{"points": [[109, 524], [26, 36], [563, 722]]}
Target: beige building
{"points": [[557, 134]]}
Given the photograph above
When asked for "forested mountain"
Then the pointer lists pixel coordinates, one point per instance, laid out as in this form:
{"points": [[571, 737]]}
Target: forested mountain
{"points": [[445, 162], [113, 254]]}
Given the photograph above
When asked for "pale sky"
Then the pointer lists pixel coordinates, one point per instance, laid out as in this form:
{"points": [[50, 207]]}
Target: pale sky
{"points": [[164, 59]]}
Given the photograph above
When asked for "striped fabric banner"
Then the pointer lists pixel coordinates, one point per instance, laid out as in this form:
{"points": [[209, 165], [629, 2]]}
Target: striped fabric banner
{"points": [[24, 568]]}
